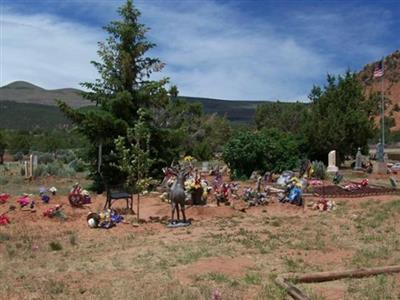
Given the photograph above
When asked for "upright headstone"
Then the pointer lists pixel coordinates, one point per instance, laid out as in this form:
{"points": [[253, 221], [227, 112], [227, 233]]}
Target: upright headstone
{"points": [[35, 161], [204, 166], [31, 166], [380, 167], [332, 168], [26, 169], [359, 158]]}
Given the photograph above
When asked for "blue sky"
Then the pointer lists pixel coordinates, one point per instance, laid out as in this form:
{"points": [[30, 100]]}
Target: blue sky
{"points": [[241, 50]]}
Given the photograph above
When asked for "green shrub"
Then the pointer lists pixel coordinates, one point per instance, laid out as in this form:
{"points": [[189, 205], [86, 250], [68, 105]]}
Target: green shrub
{"points": [[45, 158], [319, 169], [65, 171], [39, 171], [78, 165], [18, 156], [266, 150], [3, 180], [55, 246], [66, 156], [55, 168], [202, 151]]}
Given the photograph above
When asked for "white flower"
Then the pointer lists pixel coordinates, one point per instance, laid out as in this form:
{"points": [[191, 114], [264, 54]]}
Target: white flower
{"points": [[52, 189]]}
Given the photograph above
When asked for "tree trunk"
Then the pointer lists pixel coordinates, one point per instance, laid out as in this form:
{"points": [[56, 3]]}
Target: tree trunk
{"points": [[137, 208]]}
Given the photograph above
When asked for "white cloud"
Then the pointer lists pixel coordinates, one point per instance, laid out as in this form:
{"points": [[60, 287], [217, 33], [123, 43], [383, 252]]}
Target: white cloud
{"points": [[209, 53], [211, 49], [46, 50]]}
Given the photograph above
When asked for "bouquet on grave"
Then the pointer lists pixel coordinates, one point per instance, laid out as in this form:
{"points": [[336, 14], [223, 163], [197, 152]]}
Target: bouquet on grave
{"points": [[4, 220], [55, 212], [78, 196], [4, 198]]}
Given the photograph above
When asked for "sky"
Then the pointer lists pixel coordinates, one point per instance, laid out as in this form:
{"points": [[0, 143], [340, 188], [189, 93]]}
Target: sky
{"points": [[235, 50]]}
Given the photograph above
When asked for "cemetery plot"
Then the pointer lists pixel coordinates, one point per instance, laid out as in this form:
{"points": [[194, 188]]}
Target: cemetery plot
{"points": [[362, 191]]}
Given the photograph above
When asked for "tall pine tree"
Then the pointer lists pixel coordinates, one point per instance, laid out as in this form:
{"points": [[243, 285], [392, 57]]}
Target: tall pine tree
{"points": [[339, 118], [123, 88]]}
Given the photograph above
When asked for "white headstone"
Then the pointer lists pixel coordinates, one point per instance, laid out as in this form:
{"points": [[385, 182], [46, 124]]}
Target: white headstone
{"points": [[332, 168], [26, 169], [204, 166], [30, 166], [358, 163], [35, 161]]}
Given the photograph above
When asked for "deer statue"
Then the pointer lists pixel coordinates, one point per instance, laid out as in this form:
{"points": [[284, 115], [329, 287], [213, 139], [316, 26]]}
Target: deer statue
{"points": [[177, 192]]}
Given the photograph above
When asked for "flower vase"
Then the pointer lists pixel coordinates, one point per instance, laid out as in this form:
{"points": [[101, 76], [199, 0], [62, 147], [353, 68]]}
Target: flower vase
{"points": [[197, 195]]}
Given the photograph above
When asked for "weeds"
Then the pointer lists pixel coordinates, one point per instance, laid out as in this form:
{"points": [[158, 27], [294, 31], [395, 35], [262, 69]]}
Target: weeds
{"points": [[4, 236], [73, 239], [271, 291], [55, 246], [374, 288], [252, 278]]}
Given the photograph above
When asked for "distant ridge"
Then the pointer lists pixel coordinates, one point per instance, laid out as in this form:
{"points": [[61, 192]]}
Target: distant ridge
{"points": [[25, 92]]}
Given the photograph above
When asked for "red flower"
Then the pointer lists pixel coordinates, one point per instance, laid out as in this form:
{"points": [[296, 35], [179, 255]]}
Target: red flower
{"points": [[4, 198], [4, 220]]}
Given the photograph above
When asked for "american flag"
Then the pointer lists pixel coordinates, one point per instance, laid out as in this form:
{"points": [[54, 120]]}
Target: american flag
{"points": [[378, 71]]}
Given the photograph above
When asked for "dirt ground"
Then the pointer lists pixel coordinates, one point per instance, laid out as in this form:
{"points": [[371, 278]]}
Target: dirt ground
{"points": [[232, 252]]}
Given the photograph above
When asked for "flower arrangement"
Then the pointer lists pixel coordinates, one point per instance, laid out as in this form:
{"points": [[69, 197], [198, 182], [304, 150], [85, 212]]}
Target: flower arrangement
{"points": [[188, 158], [53, 190], [78, 196], [42, 193], [24, 200], [55, 212], [104, 219], [4, 198], [4, 220], [192, 185]]}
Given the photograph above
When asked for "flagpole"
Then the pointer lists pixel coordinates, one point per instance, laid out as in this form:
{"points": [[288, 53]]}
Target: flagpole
{"points": [[383, 108]]}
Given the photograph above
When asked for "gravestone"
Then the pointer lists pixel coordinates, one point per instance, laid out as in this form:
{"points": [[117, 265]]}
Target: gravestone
{"points": [[359, 159], [380, 167], [26, 169], [332, 168], [30, 166], [35, 161], [204, 166]]}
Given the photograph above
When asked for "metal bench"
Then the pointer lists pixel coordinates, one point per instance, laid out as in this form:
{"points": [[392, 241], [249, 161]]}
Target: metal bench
{"points": [[118, 193]]}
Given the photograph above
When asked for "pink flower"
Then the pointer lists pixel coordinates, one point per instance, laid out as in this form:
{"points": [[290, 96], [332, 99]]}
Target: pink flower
{"points": [[24, 201], [216, 295]]}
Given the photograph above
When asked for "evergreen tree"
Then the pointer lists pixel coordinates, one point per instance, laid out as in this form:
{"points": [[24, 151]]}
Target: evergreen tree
{"points": [[124, 86], [339, 119]]}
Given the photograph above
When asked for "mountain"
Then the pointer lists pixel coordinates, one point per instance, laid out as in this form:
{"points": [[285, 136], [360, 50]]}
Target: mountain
{"points": [[26, 116], [25, 92], [35, 106], [391, 85]]}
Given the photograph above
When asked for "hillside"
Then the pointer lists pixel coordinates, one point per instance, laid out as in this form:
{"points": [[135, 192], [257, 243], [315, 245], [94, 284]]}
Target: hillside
{"points": [[235, 111], [26, 116], [391, 85], [32, 102], [25, 92]]}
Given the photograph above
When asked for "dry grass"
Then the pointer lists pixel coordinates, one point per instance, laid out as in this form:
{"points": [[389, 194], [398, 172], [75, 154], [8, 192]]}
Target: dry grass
{"points": [[151, 262]]}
